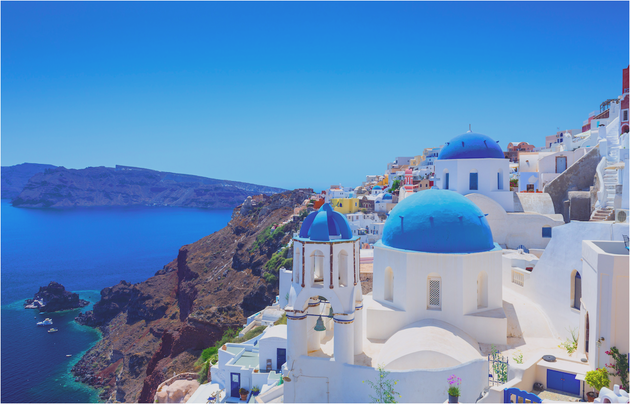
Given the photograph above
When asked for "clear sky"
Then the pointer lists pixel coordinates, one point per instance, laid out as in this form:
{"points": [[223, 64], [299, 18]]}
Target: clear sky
{"points": [[295, 94]]}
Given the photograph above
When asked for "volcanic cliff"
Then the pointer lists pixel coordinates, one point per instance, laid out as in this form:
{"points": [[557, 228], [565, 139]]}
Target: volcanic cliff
{"points": [[127, 186], [156, 328]]}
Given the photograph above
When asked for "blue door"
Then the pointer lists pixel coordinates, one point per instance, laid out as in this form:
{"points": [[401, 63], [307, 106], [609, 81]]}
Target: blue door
{"points": [[564, 382], [236, 384], [281, 357]]}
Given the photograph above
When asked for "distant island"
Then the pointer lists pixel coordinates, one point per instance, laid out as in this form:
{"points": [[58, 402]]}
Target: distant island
{"points": [[54, 297], [15, 178], [59, 187]]}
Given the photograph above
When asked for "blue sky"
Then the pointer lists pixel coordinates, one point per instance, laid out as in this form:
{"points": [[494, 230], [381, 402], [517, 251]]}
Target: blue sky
{"points": [[295, 94]]}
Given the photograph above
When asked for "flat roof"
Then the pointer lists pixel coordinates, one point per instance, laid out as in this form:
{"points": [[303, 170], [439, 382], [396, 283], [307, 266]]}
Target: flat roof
{"points": [[249, 359]]}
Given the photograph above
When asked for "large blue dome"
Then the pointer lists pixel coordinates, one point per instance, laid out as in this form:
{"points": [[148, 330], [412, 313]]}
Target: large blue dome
{"points": [[324, 223], [438, 221], [471, 146]]}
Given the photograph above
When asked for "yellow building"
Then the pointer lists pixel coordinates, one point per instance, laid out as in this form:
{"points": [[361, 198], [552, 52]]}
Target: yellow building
{"points": [[416, 161], [345, 205], [384, 182]]}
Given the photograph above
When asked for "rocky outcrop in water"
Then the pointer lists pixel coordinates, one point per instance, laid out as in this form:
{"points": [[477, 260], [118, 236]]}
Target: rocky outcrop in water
{"points": [[159, 327], [129, 186], [54, 297]]}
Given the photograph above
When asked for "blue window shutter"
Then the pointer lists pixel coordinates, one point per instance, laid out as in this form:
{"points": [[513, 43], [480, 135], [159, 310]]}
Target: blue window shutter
{"points": [[473, 181], [546, 232], [446, 181]]}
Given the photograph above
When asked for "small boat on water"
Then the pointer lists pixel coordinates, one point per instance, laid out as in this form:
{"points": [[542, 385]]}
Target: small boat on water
{"points": [[47, 321], [53, 330], [68, 355]]}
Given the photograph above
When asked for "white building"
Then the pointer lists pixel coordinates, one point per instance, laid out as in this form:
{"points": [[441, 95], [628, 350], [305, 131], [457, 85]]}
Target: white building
{"points": [[474, 163], [604, 306], [246, 365], [437, 294], [360, 225], [338, 192], [537, 169]]}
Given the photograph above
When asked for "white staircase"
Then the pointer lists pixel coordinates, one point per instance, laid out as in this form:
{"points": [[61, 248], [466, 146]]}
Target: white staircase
{"points": [[613, 146]]}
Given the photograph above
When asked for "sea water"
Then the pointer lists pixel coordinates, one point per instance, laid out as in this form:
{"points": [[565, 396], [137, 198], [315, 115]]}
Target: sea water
{"points": [[86, 250]]}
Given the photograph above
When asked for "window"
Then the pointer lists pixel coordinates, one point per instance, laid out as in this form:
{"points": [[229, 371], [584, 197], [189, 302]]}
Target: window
{"points": [[297, 265], [624, 115], [577, 290], [343, 268], [500, 179], [446, 179], [474, 181], [389, 284], [434, 300], [317, 266], [546, 232], [482, 290]]}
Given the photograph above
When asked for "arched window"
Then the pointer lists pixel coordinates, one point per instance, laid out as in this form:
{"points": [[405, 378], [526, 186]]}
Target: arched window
{"points": [[576, 289], [343, 268], [317, 265], [446, 179], [434, 292], [297, 264], [474, 180], [500, 179], [389, 284], [482, 290]]}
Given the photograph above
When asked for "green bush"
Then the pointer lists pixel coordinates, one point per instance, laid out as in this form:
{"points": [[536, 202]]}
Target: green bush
{"points": [[597, 378]]}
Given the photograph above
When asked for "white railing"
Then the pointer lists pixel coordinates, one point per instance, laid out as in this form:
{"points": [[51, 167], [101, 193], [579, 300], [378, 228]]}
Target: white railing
{"points": [[518, 278], [601, 192]]}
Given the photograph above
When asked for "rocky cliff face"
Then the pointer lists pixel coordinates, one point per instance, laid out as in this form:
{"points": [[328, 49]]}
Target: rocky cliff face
{"points": [[159, 327], [54, 297], [14, 178], [125, 186]]}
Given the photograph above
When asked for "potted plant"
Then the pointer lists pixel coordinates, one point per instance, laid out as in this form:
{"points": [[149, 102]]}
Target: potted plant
{"points": [[453, 390], [243, 392], [255, 391], [596, 379]]}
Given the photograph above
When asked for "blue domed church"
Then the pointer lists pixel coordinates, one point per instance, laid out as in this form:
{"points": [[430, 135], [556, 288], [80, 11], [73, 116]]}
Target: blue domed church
{"points": [[437, 294], [474, 163], [436, 260]]}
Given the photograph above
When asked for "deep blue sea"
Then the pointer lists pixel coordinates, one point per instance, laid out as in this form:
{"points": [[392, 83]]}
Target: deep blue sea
{"points": [[84, 249]]}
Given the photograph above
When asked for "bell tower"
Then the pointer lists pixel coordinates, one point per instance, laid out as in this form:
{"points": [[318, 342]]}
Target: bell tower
{"points": [[325, 295]]}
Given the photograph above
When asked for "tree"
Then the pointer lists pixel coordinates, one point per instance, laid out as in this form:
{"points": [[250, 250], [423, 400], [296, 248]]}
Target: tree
{"points": [[395, 186]]}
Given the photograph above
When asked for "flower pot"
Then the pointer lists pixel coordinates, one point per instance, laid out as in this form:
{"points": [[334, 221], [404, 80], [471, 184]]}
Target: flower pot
{"points": [[591, 396], [255, 393], [243, 397], [453, 399]]}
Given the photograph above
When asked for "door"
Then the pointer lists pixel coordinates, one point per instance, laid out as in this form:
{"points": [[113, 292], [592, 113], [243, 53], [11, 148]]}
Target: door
{"points": [[561, 164], [281, 357], [577, 292], [236, 384], [564, 382]]}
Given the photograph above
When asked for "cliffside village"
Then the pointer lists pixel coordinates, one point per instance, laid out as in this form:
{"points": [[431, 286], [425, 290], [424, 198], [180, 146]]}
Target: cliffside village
{"points": [[499, 273]]}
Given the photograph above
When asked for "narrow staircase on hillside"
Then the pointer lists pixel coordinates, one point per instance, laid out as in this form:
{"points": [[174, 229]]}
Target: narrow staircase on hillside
{"points": [[607, 211]]}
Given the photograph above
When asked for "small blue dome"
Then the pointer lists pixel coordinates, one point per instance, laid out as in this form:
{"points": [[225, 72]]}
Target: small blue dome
{"points": [[377, 187], [438, 221], [471, 146], [325, 222], [387, 196]]}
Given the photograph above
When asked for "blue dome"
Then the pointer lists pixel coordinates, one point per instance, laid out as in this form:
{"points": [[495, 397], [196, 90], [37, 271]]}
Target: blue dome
{"points": [[377, 187], [438, 221], [325, 222], [387, 196], [471, 146]]}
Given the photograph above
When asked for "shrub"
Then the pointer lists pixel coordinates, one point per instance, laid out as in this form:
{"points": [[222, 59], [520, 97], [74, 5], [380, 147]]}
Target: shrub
{"points": [[383, 388], [620, 366], [597, 378], [282, 320]]}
